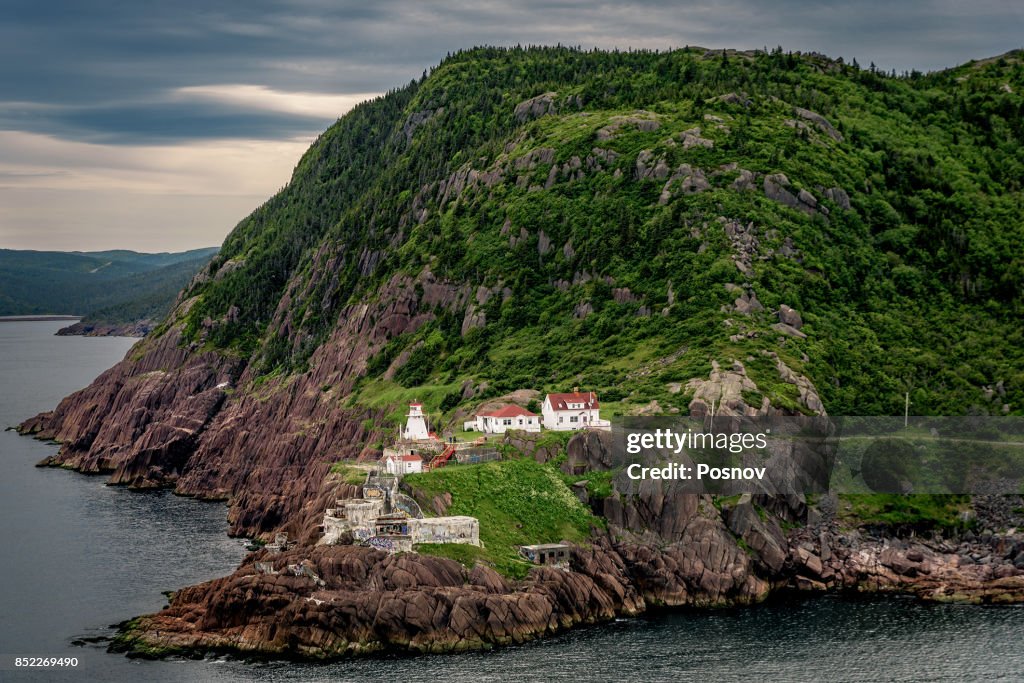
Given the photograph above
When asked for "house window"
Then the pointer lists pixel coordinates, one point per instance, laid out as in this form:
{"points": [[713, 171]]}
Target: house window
{"points": [[574, 419], [508, 422], [561, 419], [520, 420]]}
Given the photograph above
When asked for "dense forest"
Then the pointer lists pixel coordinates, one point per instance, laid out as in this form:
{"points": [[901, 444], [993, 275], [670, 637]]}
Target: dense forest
{"points": [[106, 287], [623, 219]]}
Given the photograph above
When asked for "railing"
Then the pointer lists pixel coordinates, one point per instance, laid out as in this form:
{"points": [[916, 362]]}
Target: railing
{"points": [[442, 459]]}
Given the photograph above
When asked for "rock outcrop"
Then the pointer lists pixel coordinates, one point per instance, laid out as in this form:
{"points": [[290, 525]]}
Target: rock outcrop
{"points": [[777, 187], [820, 121], [335, 600], [969, 569], [724, 388], [138, 328], [330, 601], [536, 107]]}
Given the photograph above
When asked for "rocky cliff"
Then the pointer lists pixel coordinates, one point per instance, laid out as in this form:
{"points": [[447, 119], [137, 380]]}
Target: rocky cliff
{"points": [[328, 602], [174, 414], [333, 601]]}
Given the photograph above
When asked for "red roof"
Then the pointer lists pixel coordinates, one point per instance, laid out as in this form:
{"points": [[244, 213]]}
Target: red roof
{"points": [[407, 458], [509, 411], [562, 401]]}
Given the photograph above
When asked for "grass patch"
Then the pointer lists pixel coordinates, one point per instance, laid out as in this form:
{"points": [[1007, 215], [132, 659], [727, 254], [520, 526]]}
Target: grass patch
{"points": [[466, 555], [599, 483], [350, 474], [463, 435], [721, 502], [917, 511], [381, 393], [518, 502]]}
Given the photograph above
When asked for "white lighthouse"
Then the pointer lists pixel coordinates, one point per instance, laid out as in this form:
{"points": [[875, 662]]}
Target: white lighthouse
{"points": [[415, 424]]}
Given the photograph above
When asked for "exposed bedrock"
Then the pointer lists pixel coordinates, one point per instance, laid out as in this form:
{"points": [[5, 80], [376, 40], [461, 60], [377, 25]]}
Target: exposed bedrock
{"points": [[334, 600], [329, 601], [173, 415]]}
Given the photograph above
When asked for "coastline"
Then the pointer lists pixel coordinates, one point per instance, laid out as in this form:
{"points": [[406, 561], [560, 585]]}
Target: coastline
{"points": [[350, 601]]}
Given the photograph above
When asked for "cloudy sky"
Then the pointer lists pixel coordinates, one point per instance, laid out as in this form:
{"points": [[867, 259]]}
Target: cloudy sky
{"points": [[157, 126]]}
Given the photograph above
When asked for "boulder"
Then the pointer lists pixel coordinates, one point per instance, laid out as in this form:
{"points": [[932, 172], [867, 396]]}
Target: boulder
{"points": [[820, 122], [838, 196], [744, 181], [535, 107], [747, 303], [692, 138], [790, 317], [776, 188], [788, 330]]}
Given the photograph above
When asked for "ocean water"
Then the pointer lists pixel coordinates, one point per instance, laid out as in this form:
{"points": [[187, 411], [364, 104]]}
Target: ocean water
{"points": [[79, 556]]}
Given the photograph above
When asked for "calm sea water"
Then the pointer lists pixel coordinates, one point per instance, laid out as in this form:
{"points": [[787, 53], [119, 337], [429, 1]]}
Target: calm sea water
{"points": [[79, 556]]}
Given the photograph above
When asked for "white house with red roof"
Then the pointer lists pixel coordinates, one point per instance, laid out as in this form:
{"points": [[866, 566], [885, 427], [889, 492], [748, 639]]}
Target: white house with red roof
{"points": [[503, 419], [576, 410], [403, 463]]}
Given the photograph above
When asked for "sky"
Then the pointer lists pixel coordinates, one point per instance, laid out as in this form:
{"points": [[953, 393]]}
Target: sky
{"points": [[158, 126]]}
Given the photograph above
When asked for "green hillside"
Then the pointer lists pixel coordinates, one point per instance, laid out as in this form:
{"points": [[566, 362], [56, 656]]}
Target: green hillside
{"points": [[105, 286], [518, 502], [606, 210]]}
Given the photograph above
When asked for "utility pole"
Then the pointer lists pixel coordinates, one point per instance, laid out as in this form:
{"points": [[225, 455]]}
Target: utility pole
{"points": [[906, 410]]}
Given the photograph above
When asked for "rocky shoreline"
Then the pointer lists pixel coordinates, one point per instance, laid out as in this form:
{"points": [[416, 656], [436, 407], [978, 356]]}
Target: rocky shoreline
{"points": [[328, 602], [989, 572], [138, 328]]}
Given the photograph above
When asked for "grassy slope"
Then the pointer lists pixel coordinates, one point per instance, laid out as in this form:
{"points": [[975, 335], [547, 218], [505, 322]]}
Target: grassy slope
{"points": [[518, 502]]}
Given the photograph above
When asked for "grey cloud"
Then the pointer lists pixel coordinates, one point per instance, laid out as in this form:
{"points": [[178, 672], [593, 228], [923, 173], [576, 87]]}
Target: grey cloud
{"points": [[131, 75], [159, 122], [84, 54]]}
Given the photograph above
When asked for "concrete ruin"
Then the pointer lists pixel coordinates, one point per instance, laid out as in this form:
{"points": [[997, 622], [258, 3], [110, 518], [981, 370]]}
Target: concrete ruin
{"points": [[546, 554], [379, 485], [454, 529], [280, 543], [355, 516], [368, 521], [392, 521]]}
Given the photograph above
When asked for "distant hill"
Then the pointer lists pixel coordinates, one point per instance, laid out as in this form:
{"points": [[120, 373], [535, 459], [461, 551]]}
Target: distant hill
{"points": [[111, 289]]}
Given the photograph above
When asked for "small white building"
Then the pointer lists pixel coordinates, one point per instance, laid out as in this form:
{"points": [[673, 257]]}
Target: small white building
{"points": [[576, 410], [415, 424], [503, 419], [400, 464]]}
